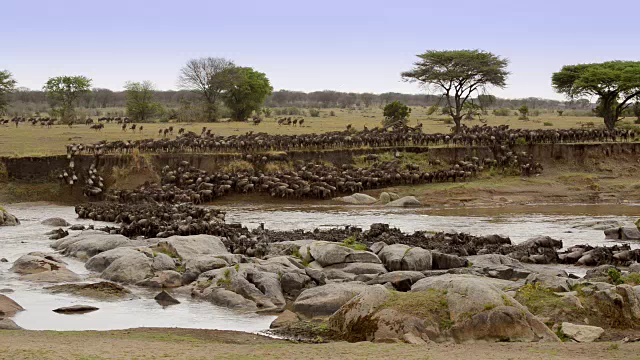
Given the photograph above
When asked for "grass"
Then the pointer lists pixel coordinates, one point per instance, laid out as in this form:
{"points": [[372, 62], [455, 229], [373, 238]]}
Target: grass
{"points": [[429, 304], [539, 300], [352, 243], [632, 279], [27, 140]]}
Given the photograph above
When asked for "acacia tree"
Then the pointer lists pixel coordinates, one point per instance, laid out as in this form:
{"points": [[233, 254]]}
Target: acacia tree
{"points": [[63, 93], [140, 103], [247, 94], [459, 74], [395, 113], [209, 78], [7, 86], [615, 83]]}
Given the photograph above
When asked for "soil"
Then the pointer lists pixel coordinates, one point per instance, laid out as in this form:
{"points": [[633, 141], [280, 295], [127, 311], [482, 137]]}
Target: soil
{"points": [[209, 344]]}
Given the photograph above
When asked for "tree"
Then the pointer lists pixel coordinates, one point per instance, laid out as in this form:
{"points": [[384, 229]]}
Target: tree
{"points": [[524, 112], [560, 112], [636, 110], [7, 86], [140, 103], [367, 99], [615, 83], [102, 97], [247, 94], [208, 77], [63, 93], [486, 101], [396, 113], [459, 73]]}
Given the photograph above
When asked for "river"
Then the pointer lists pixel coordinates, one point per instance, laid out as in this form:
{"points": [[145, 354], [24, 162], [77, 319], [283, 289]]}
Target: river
{"points": [[567, 223]]}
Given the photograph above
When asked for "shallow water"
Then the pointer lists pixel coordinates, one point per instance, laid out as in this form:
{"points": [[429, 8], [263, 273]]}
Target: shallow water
{"points": [[560, 222], [140, 312]]}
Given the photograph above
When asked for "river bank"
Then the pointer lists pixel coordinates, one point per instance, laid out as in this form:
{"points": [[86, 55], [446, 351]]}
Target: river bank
{"points": [[201, 344]]}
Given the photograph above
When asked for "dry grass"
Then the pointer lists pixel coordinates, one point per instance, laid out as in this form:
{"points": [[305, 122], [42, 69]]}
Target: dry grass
{"points": [[27, 140]]}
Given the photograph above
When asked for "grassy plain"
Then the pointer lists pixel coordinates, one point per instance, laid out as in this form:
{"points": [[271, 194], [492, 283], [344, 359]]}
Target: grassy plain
{"points": [[28, 140]]}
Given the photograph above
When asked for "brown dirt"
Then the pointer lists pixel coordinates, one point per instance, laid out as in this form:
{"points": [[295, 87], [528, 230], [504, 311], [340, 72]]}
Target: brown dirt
{"points": [[209, 344]]}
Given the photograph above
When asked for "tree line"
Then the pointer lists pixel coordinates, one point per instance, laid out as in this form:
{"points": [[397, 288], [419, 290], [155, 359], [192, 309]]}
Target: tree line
{"points": [[459, 82]]}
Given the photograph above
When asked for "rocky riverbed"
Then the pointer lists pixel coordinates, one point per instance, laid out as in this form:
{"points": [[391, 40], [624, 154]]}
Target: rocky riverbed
{"points": [[434, 278]]}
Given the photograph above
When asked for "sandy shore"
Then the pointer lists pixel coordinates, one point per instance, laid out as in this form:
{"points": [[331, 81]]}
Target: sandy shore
{"points": [[210, 344]]}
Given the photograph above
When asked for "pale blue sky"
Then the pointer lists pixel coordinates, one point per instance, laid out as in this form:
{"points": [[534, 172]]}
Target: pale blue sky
{"points": [[341, 45]]}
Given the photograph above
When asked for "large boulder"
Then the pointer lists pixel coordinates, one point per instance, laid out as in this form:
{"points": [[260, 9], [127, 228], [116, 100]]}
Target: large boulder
{"points": [[324, 300], [36, 262], [226, 298], [102, 261], [449, 307], [8, 307], [582, 333], [129, 269], [8, 324], [537, 250], [297, 248], [55, 276], [186, 247], [629, 233], [328, 253], [57, 222], [440, 261], [407, 201], [103, 290], [401, 280], [86, 245], [357, 199], [553, 283], [358, 268], [403, 257], [7, 219]]}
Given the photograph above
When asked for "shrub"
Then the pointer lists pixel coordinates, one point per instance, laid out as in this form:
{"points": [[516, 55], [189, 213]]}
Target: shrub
{"points": [[332, 113], [352, 242], [396, 113], [560, 112], [614, 276], [502, 112], [314, 112], [524, 112], [547, 123]]}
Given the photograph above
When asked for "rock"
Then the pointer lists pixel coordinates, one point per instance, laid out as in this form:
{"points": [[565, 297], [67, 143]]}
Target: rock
{"points": [[77, 227], [612, 233], [327, 253], [76, 309], [601, 271], [7, 219], [326, 299], [384, 198], [440, 261], [8, 307], [553, 283], [55, 276], [537, 250], [223, 297], [357, 199], [129, 269], [377, 247], [102, 261], [88, 244], [103, 290], [4, 260], [6, 291], [55, 222], [582, 333], [619, 305], [407, 201], [411, 338], [316, 275], [358, 268], [34, 263], [634, 268], [401, 280], [8, 324], [294, 282], [187, 247], [402, 257], [163, 279], [629, 233], [600, 225], [290, 248], [285, 319], [393, 196], [164, 299]]}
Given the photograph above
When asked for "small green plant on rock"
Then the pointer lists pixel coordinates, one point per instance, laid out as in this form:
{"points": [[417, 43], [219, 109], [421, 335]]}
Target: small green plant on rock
{"points": [[352, 243], [615, 276]]}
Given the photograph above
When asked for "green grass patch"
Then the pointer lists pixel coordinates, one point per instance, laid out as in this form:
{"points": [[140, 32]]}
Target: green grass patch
{"points": [[352, 243], [429, 304], [539, 300], [631, 279]]}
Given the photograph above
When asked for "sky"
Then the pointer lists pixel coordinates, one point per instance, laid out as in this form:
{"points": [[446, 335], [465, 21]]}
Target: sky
{"points": [[356, 46]]}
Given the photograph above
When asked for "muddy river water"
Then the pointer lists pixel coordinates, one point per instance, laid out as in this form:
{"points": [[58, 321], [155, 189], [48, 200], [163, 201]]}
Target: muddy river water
{"points": [[571, 224]]}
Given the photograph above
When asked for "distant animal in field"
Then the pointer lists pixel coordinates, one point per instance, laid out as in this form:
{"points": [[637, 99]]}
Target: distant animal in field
{"points": [[124, 127], [97, 127]]}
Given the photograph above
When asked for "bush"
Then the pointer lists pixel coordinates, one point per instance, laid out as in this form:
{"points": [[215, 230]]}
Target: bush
{"points": [[636, 121], [614, 276], [502, 112], [396, 113], [332, 113], [314, 112], [547, 123]]}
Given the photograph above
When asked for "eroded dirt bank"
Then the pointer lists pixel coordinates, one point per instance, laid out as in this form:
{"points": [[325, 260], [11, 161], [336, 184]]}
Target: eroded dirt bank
{"points": [[207, 344]]}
